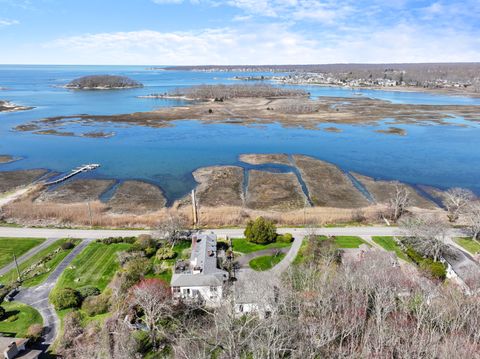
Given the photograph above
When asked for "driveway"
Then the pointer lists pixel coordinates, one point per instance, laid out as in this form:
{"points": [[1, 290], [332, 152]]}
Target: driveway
{"points": [[37, 297]]}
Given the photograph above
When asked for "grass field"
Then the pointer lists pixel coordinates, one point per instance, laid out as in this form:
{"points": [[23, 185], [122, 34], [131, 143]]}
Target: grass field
{"points": [[243, 246], [17, 246], [389, 244], [346, 241], [265, 262], [50, 265], [469, 244], [18, 318], [95, 266]]}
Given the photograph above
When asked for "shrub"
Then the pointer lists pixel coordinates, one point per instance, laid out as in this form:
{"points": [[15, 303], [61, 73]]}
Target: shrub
{"points": [[67, 245], [34, 332], [115, 240], [2, 313], [285, 238], [150, 251], [65, 298], [96, 305], [165, 253], [260, 231], [435, 269], [138, 267], [88, 291]]}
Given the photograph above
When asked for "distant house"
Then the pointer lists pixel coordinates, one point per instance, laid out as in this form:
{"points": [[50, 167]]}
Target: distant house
{"points": [[200, 278], [15, 348]]}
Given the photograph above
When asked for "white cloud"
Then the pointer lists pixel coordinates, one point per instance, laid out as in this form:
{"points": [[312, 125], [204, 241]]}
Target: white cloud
{"points": [[266, 44], [7, 22]]}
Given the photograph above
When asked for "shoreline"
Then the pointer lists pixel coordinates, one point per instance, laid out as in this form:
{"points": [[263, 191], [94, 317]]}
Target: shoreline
{"points": [[243, 189]]}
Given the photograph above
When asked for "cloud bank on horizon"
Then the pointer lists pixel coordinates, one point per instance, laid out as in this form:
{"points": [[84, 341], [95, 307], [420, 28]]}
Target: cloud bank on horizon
{"points": [[194, 32]]}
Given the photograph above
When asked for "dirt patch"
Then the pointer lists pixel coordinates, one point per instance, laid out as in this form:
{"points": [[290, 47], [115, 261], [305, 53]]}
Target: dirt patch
{"points": [[261, 159], [219, 186], [137, 197], [327, 185], [10, 180], [274, 191], [382, 191], [82, 190]]}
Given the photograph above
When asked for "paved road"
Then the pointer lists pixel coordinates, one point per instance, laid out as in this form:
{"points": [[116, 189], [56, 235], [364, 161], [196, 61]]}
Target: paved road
{"points": [[230, 232], [27, 255], [234, 232], [37, 297]]}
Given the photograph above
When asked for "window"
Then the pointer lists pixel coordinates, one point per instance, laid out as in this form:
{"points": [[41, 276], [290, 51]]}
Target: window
{"points": [[176, 290]]}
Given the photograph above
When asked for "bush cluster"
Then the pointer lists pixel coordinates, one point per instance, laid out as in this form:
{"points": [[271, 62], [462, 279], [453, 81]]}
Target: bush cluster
{"points": [[285, 238], [66, 298], [34, 332], [261, 231], [96, 305], [67, 245], [2, 313], [165, 253], [436, 269], [116, 240], [88, 291]]}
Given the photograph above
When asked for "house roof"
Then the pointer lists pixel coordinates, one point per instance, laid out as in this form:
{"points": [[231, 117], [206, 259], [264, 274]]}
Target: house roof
{"points": [[202, 269], [25, 354]]}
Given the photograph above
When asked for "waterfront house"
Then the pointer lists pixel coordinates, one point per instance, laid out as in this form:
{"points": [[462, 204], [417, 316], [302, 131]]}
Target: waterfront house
{"points": [[200, 279]]}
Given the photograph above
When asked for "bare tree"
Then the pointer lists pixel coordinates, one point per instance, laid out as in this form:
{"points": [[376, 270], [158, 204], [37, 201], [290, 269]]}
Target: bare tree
{"points": [[472, 217], [153, 297], [399, 202], [456, 200], [172, 228], [428, 233]]}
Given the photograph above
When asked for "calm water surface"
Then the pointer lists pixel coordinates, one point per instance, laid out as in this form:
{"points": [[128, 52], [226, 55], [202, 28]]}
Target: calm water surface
{"points": [[437, 155]]}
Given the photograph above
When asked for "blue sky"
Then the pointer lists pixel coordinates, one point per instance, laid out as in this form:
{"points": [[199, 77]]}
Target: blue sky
{"points": [[190, 32]]}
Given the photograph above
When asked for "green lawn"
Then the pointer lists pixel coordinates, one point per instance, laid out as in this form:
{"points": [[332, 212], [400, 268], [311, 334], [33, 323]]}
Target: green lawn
{"points": [[346, 241], [95, 266], [17, 246], [243, 246], [469, 244], [18, 318], [389, 244], [48, 267], [265, 262]]}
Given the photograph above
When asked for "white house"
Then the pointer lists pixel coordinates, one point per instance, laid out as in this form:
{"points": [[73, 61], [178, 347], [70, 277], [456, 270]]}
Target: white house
{"points": [[200, 278]]}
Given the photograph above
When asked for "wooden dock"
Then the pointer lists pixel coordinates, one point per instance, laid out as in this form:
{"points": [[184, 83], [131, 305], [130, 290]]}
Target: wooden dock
{"points": [[74, 172]]}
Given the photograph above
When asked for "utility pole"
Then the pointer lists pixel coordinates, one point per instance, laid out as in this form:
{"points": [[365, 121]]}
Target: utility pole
{"points": [[16, 265], [90, 214], [194, 209]]}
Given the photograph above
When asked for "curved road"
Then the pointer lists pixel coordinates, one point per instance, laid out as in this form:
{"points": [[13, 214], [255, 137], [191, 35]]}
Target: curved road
{"points": [[37, 297]]}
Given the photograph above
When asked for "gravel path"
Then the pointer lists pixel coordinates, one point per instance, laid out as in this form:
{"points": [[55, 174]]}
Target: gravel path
{"points": [[37, 297]]}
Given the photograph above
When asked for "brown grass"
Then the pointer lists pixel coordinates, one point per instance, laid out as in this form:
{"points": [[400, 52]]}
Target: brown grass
{"points": [[26, 211]]}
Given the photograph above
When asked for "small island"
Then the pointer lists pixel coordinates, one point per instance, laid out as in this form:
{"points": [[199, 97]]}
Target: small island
{"points": [[6, 106], [103, 82]]}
